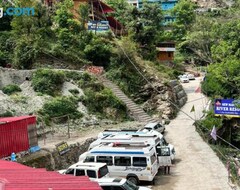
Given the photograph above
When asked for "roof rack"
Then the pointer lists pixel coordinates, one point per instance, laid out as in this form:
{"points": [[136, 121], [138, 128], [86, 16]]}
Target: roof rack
{"points": [[119, 130]]}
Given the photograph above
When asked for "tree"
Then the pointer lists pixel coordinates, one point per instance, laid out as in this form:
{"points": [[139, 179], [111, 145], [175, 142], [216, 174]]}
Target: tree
{"points": [[198, 42], [184, 11], [31, 34], [98, 51], [223, 80], [122, 11]]}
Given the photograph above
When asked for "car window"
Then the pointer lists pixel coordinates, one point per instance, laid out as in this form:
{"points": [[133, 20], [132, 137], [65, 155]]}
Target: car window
{"points": [[80, 172], [130, 186], [70, 171], [91, 173], [103, 171], [105, 159], [140, 161], [122, 161], [153, 158], [89, 159], [106, 187], [163, 151]]}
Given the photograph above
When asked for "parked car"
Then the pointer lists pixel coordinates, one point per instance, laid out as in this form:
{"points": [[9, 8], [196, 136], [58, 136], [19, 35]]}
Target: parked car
{"points": [[92, 170], [184, 79], [191, 77], [155, 126], [118, 184]]}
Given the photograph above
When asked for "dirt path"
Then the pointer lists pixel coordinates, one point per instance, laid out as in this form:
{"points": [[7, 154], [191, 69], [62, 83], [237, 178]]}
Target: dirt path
{"points": [[197, 166], [82, 135]]}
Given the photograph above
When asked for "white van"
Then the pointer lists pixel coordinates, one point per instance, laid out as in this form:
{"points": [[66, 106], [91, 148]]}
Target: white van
{"points": [[136, 162], [155, 126], [92, 170], [153, 140], [139, 132]]}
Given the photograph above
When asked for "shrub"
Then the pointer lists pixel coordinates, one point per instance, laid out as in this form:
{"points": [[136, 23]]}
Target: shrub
{"points": [[61, 106], [6, 114], [11, 88], [74, 91], [97, 102], [48, 81], [73, 75]]}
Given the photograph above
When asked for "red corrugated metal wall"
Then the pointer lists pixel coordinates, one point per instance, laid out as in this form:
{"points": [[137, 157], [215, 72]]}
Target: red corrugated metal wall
{"points": [[14, 134]]}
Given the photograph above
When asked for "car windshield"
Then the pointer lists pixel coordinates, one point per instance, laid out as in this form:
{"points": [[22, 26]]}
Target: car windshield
{"points": [[130, 186], [103, 171]]}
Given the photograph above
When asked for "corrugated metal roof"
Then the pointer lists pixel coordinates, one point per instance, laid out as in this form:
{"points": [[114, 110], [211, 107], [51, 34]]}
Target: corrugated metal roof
{"points": [[14, 176], [13, 119]]}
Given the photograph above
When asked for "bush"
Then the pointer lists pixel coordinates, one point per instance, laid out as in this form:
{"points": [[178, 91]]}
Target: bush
{"points": [[74, 91], [11, 88], [98, 102], [48, 81], [25, 54], [73, 75], [6, 114], [61, 106]]}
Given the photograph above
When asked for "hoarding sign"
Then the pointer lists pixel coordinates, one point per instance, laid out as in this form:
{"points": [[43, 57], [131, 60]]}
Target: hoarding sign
{"points": [[98, 26], [226, 107], [62, 148]]}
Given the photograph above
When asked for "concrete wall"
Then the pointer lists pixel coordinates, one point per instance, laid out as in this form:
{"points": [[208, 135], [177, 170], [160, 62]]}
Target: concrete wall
{"points": [[11, 76]]}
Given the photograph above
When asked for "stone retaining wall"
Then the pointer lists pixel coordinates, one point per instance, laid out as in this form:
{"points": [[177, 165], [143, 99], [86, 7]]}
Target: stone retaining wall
{"points": [[51, 160]]}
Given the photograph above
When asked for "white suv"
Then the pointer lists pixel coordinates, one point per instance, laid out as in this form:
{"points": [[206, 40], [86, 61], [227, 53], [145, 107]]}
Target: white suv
{"points": [[155, 126], [92, 170], [118, 184]]}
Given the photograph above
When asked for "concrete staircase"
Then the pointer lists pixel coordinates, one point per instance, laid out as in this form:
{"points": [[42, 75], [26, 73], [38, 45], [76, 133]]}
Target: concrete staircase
{"points": [[137, 112]]}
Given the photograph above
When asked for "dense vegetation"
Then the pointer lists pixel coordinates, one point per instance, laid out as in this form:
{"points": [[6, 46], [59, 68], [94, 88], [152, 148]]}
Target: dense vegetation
{"points": [[10, 89], [98, 99], [48, 81]]}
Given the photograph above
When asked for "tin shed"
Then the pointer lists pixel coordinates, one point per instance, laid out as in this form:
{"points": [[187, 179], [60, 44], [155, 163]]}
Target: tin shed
{"points": [[17, 134]]}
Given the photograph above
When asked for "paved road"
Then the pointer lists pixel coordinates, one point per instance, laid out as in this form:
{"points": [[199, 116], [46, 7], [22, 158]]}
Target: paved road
{"points": [[197, 166]]}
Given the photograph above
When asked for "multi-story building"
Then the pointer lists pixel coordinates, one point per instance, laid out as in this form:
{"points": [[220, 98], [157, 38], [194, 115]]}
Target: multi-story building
{"points": [[166, 5]]}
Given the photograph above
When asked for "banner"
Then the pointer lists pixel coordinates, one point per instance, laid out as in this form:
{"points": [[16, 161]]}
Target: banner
{"points": [[226, 107], [98, 26]]}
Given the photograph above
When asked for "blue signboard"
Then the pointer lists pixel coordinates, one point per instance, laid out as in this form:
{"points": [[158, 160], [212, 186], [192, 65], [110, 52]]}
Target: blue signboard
{"points": [[226, 107], [98, 26]]}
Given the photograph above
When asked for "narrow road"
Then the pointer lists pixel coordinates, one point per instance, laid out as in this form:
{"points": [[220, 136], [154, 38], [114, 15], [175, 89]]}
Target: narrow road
{"points": [[197, 167]]}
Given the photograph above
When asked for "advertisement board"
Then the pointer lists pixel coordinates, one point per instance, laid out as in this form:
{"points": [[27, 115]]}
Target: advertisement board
{"points": [[226, 107], [98, 26]]}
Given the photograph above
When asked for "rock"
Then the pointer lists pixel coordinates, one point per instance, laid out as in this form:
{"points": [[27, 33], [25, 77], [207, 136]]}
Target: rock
{"points": [[173, 83]]}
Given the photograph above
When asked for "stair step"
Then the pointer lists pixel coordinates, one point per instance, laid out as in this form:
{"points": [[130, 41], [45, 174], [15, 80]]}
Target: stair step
{"points": [[138, 113]]}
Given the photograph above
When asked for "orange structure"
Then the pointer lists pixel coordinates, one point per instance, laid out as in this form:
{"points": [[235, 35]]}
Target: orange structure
{"points": [[166, 51]]}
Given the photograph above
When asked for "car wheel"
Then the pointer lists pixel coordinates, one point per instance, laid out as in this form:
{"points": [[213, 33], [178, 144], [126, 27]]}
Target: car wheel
{"points": [[133, 179]]}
